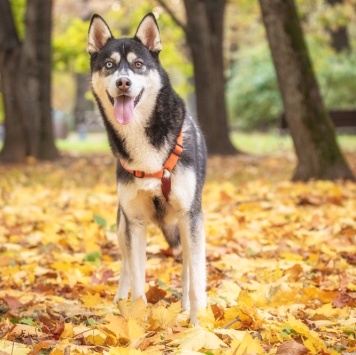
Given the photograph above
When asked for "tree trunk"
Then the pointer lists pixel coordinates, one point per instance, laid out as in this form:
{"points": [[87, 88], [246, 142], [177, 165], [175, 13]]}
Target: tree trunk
{"points": [[82, 104], [204, 31], [339, 36], [25, 70], [313, 134]]}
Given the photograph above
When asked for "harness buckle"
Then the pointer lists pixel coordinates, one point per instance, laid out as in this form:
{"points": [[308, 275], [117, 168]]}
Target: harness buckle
{"points": [[138, 174]]}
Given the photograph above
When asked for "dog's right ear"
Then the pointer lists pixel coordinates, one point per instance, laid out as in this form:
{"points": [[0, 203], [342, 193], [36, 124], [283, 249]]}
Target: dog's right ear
{"points": [[99, 34]]}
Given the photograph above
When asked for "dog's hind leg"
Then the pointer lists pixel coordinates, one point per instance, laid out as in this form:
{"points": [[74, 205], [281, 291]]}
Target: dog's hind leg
{"points": [[194, 270]]}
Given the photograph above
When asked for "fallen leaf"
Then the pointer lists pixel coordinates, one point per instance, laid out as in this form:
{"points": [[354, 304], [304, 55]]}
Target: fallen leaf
{"points": [[292, 347]]}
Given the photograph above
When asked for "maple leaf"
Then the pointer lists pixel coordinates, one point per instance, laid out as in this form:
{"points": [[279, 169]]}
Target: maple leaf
{"points": [[247, 345], [197, 338], [163, 317]]}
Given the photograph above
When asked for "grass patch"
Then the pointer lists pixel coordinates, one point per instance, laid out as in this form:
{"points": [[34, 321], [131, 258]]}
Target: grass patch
{"points": [[272, 142], [92, 142], [254, 143]]}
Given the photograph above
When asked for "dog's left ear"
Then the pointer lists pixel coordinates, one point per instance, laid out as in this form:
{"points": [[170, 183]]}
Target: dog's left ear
{"points": [[148, 33], [99, 34]]}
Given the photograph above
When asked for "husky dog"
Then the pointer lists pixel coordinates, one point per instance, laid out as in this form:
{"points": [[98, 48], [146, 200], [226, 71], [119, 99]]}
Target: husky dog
{"points": [[161, 156]]}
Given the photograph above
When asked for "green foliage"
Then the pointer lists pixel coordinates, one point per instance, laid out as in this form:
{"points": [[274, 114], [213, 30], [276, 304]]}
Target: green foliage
{"points": [[252, 93], [18, 8], [336, 74], [69, 47], [100, 221], [70, 41], [253, 96], [94, 257]]}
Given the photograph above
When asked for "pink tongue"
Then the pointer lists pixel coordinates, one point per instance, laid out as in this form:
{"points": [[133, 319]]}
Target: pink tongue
{"points": [[123, 109]]}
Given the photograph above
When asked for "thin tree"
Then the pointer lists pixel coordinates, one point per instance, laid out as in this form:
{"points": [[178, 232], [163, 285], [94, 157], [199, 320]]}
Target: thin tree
{"points": [[204, 34], [82, 104], [25, 72], [339, 35], [313, 134]]}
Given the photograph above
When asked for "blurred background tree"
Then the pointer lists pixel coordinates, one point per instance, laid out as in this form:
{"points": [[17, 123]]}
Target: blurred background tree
{"points": [[253, 97], [25, 70], [319, 155]]}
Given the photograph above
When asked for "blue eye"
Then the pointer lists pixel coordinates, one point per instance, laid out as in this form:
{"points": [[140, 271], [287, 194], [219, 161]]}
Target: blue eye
{"points": [[109, 65]]}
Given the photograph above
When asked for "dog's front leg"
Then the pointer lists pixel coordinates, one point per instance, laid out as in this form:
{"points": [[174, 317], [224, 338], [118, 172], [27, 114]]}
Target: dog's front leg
{"points": [[194, 270], [136, 241], [125, 277], [132, 242]]}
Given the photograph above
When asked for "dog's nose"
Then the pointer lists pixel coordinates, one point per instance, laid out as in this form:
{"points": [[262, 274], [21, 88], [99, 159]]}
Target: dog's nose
{"points": [[123, 83]]}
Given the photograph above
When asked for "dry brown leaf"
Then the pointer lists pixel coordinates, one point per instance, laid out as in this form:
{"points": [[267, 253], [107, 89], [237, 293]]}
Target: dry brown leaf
{"points": [[292, 347]]}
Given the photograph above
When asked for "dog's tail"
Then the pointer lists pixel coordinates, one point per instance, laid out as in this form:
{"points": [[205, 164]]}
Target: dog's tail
{"points": [[171, 233]]}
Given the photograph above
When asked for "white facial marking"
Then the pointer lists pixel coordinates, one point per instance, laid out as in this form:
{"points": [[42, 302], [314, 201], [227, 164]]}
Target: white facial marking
{"points": [[131, 57], [116, 57]]}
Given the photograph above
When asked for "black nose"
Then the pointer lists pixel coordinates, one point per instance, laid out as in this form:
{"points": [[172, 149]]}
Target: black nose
{"points": [[123, 83]]}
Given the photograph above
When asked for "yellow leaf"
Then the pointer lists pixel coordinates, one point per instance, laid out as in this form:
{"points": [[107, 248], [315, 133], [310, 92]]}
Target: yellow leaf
{"points": [[122, 328], [68, 331], [164, 317], [248, 345], [137, 309], [91, 301], [206, 318], [311, 339], [96, 337], [116, 325], [135, 331], [9, 347], [198, 338], [123, 351]]}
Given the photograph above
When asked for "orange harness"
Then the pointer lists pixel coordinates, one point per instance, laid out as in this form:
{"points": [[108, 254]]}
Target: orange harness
{"points": [[165, 173]]}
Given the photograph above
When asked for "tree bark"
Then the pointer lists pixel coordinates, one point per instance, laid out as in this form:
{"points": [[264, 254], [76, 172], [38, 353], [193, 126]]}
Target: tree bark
{"points": [[204, 29], [25, 70], [204, 35], [318, 153]]}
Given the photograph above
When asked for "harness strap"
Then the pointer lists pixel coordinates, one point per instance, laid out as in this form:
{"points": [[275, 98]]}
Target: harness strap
{"points": [[165, 173]]}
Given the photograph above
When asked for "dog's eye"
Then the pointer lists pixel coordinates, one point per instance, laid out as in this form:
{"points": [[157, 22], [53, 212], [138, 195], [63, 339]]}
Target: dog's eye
{"points": [[138, 64], [109, 65]]}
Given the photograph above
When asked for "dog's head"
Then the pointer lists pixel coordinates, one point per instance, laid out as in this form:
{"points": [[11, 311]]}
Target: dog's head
{"points": [[125, 72]]}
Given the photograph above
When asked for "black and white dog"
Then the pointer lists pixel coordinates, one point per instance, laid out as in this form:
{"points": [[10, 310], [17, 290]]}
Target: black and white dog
{"points": [[161, 156]]}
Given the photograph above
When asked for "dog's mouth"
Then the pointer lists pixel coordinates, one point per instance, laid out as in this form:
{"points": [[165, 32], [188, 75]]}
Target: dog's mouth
{"points": [[124, 106]]}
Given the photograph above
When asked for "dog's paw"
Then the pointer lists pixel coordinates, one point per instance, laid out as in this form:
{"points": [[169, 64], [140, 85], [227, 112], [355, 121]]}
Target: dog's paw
{"points": [[185, 304], [194, 319]]}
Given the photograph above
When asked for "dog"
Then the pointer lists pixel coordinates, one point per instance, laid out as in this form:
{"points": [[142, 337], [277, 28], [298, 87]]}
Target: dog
{"points": [[161, 155]]}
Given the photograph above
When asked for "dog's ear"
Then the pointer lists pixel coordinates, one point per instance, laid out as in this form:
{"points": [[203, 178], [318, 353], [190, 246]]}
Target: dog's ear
{"points": [[148, 33], [99, 34]]}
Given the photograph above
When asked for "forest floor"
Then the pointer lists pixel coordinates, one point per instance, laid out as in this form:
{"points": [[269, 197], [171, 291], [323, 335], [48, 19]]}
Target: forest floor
{"points": [[281, 262]]}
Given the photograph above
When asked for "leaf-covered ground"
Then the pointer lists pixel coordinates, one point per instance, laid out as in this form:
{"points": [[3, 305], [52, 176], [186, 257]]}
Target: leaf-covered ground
{"points": [[280, 259]]}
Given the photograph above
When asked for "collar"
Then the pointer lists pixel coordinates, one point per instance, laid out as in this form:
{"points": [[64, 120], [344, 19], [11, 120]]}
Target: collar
{"points": [[165, 173]]}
